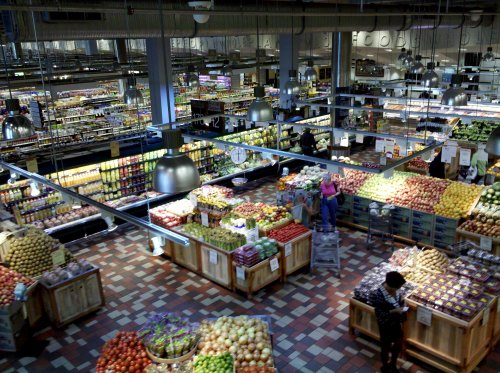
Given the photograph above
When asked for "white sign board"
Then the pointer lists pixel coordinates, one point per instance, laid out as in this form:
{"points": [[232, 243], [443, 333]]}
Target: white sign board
{"points": [[424, 315], [274, 264], [212, 256], [240, 273], [288, 249], [360, 139], [465, 155], [204, 219], [486, 243]]}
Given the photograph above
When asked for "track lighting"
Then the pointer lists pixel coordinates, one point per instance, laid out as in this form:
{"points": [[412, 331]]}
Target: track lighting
{"points": [[13, 178], [110, 220], [35, 189]]}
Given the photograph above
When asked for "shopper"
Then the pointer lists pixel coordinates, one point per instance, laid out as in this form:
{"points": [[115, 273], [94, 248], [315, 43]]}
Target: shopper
{"points": [[480, 164], [304, 212], [390, 314], [329, 193], [308, 143], [437, 167]]}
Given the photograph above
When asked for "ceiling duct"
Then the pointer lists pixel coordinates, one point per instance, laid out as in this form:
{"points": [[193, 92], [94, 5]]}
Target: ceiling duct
{"points": [[226, 19]]}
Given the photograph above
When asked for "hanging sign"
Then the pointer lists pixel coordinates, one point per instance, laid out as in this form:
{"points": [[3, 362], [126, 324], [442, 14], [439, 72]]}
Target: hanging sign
{"points": [[403, 147], [465, 155], [446, 154], [58, 257], [424, 315], [193, 199], [383, 160], [389, 146]]}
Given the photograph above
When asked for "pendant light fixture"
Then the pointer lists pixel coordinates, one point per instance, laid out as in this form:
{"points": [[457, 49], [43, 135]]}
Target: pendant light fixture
{"points": [[408, 60], [16, 125], [175, 172], [430, 78], [402, 56], [455, 95], [489, 56], [132, 95], [260, 110], [292, 86], [417, 67], [310, 74]]}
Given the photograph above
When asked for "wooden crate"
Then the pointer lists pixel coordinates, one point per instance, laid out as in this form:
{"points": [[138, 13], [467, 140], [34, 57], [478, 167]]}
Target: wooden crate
{"points": [[33, 308], [449, 344], [362, 319], [74, 298], [476, 238], [495, 330], [216, 265], [299, 250], [256, 277], [187, 256]]}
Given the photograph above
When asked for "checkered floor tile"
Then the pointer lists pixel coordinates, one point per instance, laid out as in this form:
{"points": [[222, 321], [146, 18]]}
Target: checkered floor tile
{"points": [[309, 312]]}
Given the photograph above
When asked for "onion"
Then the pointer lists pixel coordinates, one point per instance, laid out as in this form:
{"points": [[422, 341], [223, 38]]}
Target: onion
{"points": [[243, 340], [248, 357], [251, 347], [266, 350], [259, 346], [232, 350], [264, 357], [228, 343], [256, 356], [244, 364], [252, 363]]}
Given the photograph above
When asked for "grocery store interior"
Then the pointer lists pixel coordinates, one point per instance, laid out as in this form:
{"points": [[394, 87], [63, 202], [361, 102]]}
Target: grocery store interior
{"points": [[233, 186]]}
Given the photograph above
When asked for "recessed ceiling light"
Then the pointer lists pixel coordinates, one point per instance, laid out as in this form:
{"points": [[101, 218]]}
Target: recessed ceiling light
{"points": [[388, 50], [445, 60], [369, 55]]}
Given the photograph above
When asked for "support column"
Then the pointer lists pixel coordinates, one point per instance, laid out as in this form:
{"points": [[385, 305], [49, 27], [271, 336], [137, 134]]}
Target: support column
{"points": [[344, 79], [17, 51], [288, 61], [121, 50], [160, 80], [91, 47]]}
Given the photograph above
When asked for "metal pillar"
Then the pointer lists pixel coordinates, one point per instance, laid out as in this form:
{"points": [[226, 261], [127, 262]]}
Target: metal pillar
{"points": [[344, 67], [160, 85], [288, 61], [91, 47], [120, 50], [17, 51]]}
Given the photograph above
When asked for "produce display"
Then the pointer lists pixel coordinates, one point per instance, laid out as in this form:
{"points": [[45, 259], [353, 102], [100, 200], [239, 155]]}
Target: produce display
{"points": [[353, 180], [8, 281], [467, 268], [245, 338], [404, 257], [288, 232], [169, 336], [282, 182], [495, 169], [432, 260], [213, 191], [220, 237], [123, 353], [60, 274], [420, 193], [309, 178], [451, 294], [485, 220], [272, 216], [222, 363], [491, 195], [248, 209], [31, 254], [381, 189], [415, 275], [484, 257], [181, 207], [478, 130], [161, 216], [457, 200], [417, 164]]}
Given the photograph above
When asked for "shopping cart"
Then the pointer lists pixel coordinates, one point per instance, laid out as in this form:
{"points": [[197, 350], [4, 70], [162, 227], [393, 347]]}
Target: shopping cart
{"points": [[380, 224], [325, 248]]}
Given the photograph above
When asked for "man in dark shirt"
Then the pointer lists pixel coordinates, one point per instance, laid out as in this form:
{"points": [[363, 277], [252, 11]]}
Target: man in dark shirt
{"points": [[308, 143], [389, 311]]}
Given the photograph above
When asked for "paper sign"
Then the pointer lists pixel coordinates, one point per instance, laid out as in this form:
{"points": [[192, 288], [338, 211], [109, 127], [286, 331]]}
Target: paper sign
{"points": [[213, 256], [379, 145], [288, 249], [248, 124], [240, 273], [465, 155], [383, 160], [115, 148], [58, 257], [486, 243], [446, 154], [360, 139], [486, 316], [193, 199], [424, 315], [32, 165], [344, 141], [220, 146], [187, 140], [273, 263], [204, 219], [389, 146]]}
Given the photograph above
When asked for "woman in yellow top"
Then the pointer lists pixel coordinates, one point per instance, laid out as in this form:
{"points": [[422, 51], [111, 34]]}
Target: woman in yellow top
{"points": [[480, 164]]}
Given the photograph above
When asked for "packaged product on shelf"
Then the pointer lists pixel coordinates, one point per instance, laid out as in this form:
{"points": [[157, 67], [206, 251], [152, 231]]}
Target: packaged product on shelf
{"points": [[432, 260], [160, 216], [73, 269]]}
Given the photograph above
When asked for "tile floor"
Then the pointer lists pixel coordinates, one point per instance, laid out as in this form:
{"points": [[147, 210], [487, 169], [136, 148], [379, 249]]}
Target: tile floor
{"points": [[310, 312]]}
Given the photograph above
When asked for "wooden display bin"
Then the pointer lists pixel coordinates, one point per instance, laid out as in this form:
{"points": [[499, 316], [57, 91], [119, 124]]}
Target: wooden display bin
{"points": [[362, 319], [495, 316], [216, 265], [299, 254], [449, 344], [256, 277], [73, 298], [187, 256], [463, 235], [33, 309]]}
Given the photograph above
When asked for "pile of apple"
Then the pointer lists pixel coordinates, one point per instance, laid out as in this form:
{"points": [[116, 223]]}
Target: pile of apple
{"points": [[380, 189], [8, 281], [162, 217], [457, 200], [353, 180], [272, 216], [483, 228], [420, 193], [248, 209], [418, 164]]}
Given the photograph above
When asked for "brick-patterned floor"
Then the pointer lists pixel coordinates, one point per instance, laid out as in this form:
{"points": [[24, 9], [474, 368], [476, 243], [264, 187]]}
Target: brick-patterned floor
{"points": [[310, 312]]}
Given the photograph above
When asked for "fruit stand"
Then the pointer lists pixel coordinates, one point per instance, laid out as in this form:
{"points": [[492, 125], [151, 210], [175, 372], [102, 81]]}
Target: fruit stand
{"points": [[252, 279]]}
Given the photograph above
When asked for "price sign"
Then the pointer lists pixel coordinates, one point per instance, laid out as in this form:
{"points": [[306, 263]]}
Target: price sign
{"points": [[383, 160], [188, 140], [248, 124], [344, 141], [389, 173], [486, 243], [360, 139], [486, 316], [389, 146], [193, 199], [379, 145], [424, 315], [204, 219], [240, 273], [274, 264], [57, 257], [115, 148], [32, 165], [288, 249], [465, 155], [212, 256], [446, 154]]}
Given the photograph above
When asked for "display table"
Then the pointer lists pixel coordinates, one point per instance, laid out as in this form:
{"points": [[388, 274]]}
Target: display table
{"points": [[73, 298], [295, 254], [186, 256], [252, 279], [216, 264], [362, 319], [449, 344]]}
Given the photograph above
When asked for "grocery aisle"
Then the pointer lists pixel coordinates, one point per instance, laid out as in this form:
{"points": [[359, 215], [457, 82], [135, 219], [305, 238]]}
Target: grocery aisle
{"points": [[310, 312]]}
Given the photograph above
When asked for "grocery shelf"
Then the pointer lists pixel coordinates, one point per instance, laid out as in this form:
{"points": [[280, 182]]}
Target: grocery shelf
{"points": [[128, 177], [35, 209]]}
